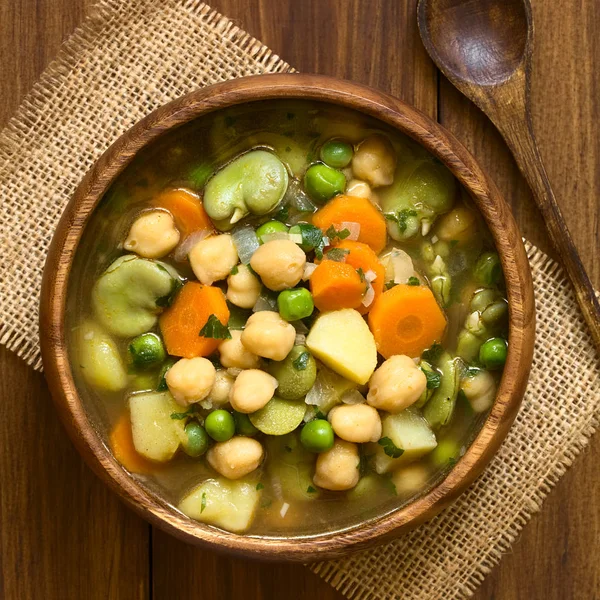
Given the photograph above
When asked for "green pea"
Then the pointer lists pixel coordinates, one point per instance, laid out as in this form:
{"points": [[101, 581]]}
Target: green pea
{"points": [[243, 425], [197, 441], [295, 374], [220, 425], [317, 435], [270, 227], [146, 351], [488, 270], [336, 153], [492, 354], [295, 304], [323, 183]]}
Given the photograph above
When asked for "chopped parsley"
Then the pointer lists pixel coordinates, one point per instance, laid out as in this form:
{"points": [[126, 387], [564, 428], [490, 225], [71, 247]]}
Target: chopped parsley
{"points": [[401, 218], [390, 485], [215, 329], [452, 461], [301, 362], [312, 239], [203, 503], [361, 274], [390, 448], [319, 415], [214, 359], [433, 353], [282, 214], [310, 490], [337, 254], [390, 284], [333, 233], [235, 270], [471, 371], [192, 410], [413, 281], [259, 486], [434, 379]]}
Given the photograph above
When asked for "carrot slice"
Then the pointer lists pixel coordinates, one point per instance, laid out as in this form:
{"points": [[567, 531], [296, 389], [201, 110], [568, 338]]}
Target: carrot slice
{"points": [[360, 256], [336, 285], [187, 210], [181, 323], [121, 444], [373, 229], [406, 320]]}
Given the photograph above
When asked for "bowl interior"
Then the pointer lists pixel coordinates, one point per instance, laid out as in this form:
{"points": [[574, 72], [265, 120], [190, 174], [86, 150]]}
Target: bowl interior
{"points": [[101, 212]]}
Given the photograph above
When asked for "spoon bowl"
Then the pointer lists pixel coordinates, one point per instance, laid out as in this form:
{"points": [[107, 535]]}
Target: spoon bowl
{"points": [[478, 42]]}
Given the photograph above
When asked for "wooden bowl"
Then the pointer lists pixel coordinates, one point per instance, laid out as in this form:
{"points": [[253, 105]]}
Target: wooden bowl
{"points": [[394, 113]]}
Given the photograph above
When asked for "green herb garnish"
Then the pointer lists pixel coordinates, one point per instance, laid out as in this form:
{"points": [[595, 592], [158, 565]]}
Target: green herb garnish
{"points": [[203, 503], [333, 233], [390, 284], [434, 379], [215, 330], [361, 274], [259, 486], [337, 254], [433, 353], [319, 415], [413, 281], [390, 448], [401, 218], [234, 271], [301, 362], [310, 490]]}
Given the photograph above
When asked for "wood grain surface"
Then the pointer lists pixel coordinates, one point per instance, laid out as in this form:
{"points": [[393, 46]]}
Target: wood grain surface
{"points": [[64, 535]]}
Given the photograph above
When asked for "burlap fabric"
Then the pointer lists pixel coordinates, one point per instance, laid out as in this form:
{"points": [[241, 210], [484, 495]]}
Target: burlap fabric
{"points": [[130, 57]]}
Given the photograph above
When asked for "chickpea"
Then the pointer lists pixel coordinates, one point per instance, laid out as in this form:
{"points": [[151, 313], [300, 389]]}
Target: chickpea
{"points": [[362, 189], [280, 264], [480, 390], [252, 390], [337, 468], [397, 384], [268, 335], [357, 423], [459, 224], [235, 355], [243, 287], [190, 380], [375, 161], [219, 394], [213, 258], [235, 457], [152, 235]]}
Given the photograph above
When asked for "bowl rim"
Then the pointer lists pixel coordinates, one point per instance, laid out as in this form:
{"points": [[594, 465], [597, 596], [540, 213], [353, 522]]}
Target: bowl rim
{"points": [[396, 114]]}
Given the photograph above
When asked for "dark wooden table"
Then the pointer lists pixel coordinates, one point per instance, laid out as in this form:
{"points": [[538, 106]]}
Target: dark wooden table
{"points": [[63, 535]]}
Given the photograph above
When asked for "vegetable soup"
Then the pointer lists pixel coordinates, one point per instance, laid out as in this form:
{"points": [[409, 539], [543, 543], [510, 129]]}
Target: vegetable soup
{"points": [[287, 318]]}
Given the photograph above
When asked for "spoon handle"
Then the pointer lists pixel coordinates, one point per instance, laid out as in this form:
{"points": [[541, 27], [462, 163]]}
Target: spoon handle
{"points": [[517, 131]]}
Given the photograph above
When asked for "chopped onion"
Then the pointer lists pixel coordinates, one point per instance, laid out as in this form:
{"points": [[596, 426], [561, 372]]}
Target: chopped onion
{"points": [[296, 197], [370, 276], [300, 339], [246, 242], [425, 227], [265, 303], [369, 296], [435, 239], [184, 248], [206, 404], [353, 228], [353, 397], [284, 509], [310, 414], [316, 396], [326, 241], [300, 327], [438, 265], [309, 269], [402, 265]]}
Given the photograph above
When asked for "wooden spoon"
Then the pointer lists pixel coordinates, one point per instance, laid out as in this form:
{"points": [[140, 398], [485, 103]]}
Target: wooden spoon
{"points": [[484, 48]]}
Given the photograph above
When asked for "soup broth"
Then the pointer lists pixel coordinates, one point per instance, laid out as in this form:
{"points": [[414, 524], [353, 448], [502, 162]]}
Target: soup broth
{"points": [[287, 318]]}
